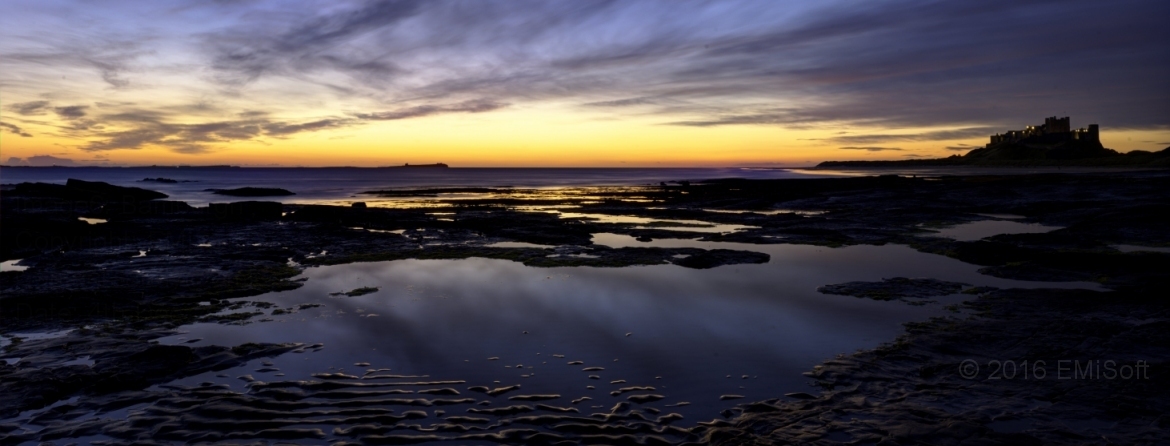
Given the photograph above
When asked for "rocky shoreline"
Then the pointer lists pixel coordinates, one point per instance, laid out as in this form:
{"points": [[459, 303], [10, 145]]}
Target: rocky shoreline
{"points": [[149, 265]]}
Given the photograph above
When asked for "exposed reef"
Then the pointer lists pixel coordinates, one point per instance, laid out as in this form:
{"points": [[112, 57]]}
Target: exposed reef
{"points": [[50, 370], [151, 265], [1025, 367]]}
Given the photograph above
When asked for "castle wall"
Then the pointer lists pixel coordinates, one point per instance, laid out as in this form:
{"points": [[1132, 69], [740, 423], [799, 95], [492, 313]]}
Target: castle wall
{"points": [[1054, 130]]}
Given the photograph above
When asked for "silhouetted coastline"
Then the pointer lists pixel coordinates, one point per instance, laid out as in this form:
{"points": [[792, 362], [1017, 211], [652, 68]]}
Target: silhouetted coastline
{"points": [[1052, 144]]}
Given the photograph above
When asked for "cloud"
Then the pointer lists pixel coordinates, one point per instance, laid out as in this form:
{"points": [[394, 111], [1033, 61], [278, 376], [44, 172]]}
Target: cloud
{"points": [[976, 67], [190, 149], [149, 129], [29, 108], [48, 160], [472, 106], [961, 147], [127, 139], [125, 127], [284, 129], [71, 112], [191, 139], [938, 135], [622, 102], [774, 117], [873, 149], [14, 129], [242, 56], [109, 57]]}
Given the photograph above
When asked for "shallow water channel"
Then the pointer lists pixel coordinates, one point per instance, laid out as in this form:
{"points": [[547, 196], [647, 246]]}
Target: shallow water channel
{"points": [[693, 336]]}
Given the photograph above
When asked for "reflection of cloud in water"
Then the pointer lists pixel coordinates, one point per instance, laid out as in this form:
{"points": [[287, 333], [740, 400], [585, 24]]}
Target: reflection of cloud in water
{"points": [[986, 228], [693, 327], [1136, 248], [659, 223], [12, 265], [766, 211]]}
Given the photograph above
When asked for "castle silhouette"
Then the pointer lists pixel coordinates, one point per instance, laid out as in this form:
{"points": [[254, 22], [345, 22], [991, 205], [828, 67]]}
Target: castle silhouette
{"points": [[1053, 131]]}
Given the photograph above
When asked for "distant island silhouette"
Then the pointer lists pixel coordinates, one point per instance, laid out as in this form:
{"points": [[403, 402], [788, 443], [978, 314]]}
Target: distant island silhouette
{"points": [[1053, 143], [252, 192], [424, 166]]}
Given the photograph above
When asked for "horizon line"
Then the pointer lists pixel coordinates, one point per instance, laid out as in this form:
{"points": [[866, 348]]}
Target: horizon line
{"points": [[229, 166]]}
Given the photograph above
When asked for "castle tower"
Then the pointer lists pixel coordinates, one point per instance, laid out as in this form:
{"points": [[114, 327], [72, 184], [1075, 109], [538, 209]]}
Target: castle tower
{"points": [[1093, 134], [1057, 125]]}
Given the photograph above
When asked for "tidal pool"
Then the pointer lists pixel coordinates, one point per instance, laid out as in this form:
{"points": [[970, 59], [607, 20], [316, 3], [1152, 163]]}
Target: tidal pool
{"points": [[691, 335], [1136, 248], [986, 228], [12, 265]]}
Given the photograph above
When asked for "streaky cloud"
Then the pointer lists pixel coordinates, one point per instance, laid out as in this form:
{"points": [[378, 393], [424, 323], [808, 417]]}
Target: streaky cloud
{"points": [[631, 102], [29, 108], [872, 148], [15, 129], [938, 135], [243, 56], [284, 129], [472, 106]]}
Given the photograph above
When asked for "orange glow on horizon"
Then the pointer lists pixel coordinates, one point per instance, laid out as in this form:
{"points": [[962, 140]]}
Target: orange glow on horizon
{"points": [[524, 137]]}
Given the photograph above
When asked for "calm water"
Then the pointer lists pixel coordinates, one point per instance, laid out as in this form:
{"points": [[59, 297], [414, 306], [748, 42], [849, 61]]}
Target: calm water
{"points": [[693, 335], [986, 228], [315, 185]]}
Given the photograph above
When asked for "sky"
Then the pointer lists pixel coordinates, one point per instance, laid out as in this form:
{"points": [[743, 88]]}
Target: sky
{"points": [[657, 83]]}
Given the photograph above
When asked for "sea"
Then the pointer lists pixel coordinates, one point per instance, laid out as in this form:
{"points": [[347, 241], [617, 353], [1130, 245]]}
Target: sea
{"points": [[331, 184]]}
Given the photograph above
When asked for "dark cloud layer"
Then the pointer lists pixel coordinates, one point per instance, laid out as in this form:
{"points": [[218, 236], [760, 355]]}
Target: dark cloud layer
{"points": [[941, 135], [146, 128], [473, 106], [29, 108], [71, 112], [960, 147], [316, 43], [978, 67]]}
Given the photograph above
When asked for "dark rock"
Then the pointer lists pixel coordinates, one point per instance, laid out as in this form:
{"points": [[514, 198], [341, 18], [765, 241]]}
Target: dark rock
{"points": [[94, 191], [106, 191], [356, 292], [153, 208], [719, 257], [800, 396], [358, 205], [247, 210]]}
